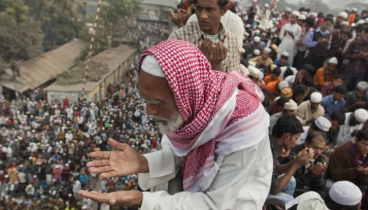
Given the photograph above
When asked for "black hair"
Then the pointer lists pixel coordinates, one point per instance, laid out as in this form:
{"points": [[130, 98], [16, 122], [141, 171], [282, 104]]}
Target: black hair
{"points": [[312, 135], [320, 15], [222, 3], [338, 116], [310, 22], [330, 16], [366, 29], [359, 27], [309, 68], [328, 19], [299, 90], [341, 89], [288, 72], [266, 100], [315, 127], [277, 71], [302, 9], [287, 124], [307, 10], [339, 77], [348, 33], [281, 101], [362, 135]]}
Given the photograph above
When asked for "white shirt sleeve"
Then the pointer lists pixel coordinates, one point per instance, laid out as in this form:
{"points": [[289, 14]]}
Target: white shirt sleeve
{"points": [[237, 28]]}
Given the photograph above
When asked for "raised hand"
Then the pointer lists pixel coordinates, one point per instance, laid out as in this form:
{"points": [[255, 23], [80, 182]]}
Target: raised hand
{"points": [[121, 162], [178, 18], [132, 198]]}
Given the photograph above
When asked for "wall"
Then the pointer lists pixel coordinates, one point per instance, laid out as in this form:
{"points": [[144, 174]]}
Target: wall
{"points": [[72, 96]]}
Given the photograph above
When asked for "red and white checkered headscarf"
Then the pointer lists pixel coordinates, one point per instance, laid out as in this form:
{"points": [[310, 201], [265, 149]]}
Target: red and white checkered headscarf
{"points": [[200, 93]]}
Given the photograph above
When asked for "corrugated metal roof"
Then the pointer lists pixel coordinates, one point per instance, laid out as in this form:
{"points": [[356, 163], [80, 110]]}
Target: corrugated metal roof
{"points": [[37, 71], [167, 3]]}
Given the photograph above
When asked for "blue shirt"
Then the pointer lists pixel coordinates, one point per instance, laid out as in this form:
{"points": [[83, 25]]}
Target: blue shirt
{"points": [[330, 105], [262, 44], [277, 63], [309, 43]]}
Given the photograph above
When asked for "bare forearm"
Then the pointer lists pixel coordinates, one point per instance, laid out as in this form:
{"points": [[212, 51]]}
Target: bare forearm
{"points": [[283, 181], [143, 164]]}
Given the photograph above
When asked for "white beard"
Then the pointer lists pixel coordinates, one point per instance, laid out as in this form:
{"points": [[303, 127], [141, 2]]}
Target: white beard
{"points": [[172, 125]]}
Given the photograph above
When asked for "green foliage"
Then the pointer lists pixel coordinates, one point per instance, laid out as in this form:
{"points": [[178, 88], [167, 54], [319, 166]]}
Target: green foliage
{"points": [[75, 75]]}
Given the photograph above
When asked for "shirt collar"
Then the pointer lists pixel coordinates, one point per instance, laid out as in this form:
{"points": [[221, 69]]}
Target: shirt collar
{"points": [[200, 35]]}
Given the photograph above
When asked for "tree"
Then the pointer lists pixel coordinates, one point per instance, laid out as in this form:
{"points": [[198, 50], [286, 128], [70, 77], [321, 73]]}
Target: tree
{"points": [[72, 6]]}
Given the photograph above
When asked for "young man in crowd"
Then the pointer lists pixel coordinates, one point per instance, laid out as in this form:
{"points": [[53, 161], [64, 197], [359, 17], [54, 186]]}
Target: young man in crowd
{"points": [[357, 99], [304, 76], [219, 45], [335, 101], [283, 61], [284, 137], [354, 121], [274, 76], [290, 108], [349, 161], [310, 110], [329, 87]]}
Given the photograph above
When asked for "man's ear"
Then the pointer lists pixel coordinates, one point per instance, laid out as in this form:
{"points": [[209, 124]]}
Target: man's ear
{"points": [[224, 10]]}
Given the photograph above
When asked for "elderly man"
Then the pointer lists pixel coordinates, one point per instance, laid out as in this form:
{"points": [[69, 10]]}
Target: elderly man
{"points": [[326, 74], [290, 108], [354, 121], [290, 36], [263, 59], [357, 99], [219, 45], [206, 116], [349, 161], [310, 110]]}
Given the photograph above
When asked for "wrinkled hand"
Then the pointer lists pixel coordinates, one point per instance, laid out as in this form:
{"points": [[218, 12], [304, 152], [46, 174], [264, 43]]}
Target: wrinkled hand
{"points": [[122, 162], [318, 169], [304, 156], [178, 18], [132, 198]]}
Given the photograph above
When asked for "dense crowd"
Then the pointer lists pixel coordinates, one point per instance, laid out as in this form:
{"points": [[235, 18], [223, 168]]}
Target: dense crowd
{"points": [[45, 147]]}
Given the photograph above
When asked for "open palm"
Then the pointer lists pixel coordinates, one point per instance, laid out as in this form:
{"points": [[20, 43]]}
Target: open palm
{"points": [[121, 162], [132, 198]]}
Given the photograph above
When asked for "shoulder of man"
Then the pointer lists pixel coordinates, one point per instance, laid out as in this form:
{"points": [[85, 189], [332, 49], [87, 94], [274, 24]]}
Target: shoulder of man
{"points": [[182, 32]]}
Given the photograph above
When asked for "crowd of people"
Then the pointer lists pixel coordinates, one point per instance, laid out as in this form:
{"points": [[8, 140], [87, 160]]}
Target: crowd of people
{"points": [[44, 147], [310, 69]]}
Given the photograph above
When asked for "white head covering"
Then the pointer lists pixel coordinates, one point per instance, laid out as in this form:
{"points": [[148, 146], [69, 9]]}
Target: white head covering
{"points": [[151, 66], [267, 49], [304, 13], [302, 17], [316, 97], [290, 105], [288, 9], [267, 5], [345, 193], [344, 23], [283, 84], [366, 20], [361, 115], [323, 124], [333, 60], [361, 21], [257, 39], [343, 15], [256, 52], [355, 9], [253, 71], [296, 13], [286, 54], [261, 75], [314, 14], [255, 1], [251, 63], [363, 85], [246, 34]]}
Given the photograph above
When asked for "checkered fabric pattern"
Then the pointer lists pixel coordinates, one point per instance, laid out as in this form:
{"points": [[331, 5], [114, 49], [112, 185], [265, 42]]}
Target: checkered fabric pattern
{"points": [[192, 33], [199, 94]]}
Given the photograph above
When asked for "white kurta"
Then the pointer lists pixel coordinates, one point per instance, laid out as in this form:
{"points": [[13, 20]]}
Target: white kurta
{"points": [[243, 180], [265, 20], [288, 43], [346, 130]]}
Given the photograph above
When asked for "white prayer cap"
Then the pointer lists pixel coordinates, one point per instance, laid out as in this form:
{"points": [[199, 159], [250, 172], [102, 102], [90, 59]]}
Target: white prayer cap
{"points": [[355, 9], [261, 75], [267, 49], [345, 193], [361, 115], [151, 66], [361, 21], [267, 5], [21, 166], [304, 13], [314, 14], [288, 9], [246, 34], [243, 70], [273, 30], [254, 1], [333, 60], [34, 176], [296, 13], [302, 17], [257, 31], [282, 85], [316, 97], [343, 15], [323, 124], [66, 165], [251, 63], [6, 176], [286, 54], [344, 23], [290, 105], [256, 52], [247, 26], [363, 85], [366, 20], [257, 39], [253, 71], [57, 166], [84, 207]]}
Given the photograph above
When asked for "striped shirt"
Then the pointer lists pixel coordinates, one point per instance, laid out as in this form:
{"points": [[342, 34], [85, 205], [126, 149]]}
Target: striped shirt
{"points": [[193, 34], [276, 153]]}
